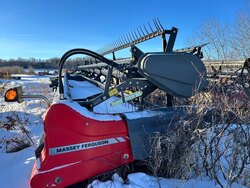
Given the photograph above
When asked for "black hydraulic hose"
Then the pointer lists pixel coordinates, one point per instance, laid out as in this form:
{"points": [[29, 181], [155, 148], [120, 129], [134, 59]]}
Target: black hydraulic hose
{"points": [[84, 52]]}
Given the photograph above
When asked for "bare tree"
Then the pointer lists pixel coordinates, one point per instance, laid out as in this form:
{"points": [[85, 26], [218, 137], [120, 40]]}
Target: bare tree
{"points": [[226, 41], [241, 40]]}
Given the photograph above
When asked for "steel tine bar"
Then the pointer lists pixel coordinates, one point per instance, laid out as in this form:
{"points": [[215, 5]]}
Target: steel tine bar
{"points": [[162, 28], [131, 39], [139, 33], [136, 37], [127, 38], [150, 27], [120, 42], [132, 34], [135, 34], [116, 44], [142, 31], [146, 29], [156, 25], [124, 41]]}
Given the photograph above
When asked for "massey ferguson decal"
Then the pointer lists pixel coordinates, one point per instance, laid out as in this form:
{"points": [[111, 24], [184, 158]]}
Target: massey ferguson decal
{"points": [[84, 146]]}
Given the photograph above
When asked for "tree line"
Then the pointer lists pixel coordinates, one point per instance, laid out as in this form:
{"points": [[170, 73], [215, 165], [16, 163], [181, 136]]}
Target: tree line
{"points": [[51, 63]]}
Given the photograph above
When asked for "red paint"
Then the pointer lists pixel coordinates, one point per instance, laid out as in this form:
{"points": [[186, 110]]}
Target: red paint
{"points": [[63, 126]]}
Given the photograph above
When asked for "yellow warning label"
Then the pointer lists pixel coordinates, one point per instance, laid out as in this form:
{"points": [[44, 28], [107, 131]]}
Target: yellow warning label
{"points": [[113, 92], [128, 92]]}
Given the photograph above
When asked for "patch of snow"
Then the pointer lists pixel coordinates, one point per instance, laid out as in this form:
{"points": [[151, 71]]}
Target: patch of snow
{"points": [[85, 112], [16, 168], [105, 107], [142, 180], [142, 114], [84, 89]]}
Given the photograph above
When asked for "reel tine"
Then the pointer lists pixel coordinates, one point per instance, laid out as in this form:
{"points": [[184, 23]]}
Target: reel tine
{"points": [[117, 43], [114, 44], [150, 27], [134, 38], [146, 29], [136, 35], [123, 42], [131, 39], [125, 39], [139, 33], [156, 25], [142, 32], [120, 41], [128, 38], [162, 28]]}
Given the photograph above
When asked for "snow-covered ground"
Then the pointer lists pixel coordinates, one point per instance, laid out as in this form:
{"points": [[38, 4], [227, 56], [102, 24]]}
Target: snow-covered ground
{"points": [[142, 180], [15, 168]]}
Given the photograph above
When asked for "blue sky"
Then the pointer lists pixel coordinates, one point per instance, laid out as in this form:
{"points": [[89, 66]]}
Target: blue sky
{"points": [[48, 28]]}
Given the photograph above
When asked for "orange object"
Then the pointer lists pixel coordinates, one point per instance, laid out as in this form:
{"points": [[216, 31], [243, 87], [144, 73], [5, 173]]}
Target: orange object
{"points": [[11, 94]]}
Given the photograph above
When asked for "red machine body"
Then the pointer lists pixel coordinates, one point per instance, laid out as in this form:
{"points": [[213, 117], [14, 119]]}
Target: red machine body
{"points": [[80, 149]]}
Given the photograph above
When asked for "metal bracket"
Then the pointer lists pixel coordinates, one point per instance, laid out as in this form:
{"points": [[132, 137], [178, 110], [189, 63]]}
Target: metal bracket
{"points": [[141, 84]]}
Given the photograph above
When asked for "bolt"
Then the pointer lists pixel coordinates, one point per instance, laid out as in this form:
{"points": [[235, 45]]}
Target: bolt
{"points": [[126, 156], [58, 180]]}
